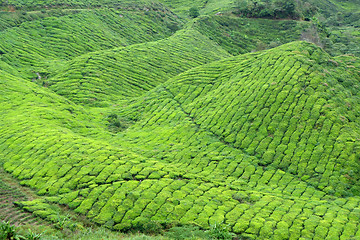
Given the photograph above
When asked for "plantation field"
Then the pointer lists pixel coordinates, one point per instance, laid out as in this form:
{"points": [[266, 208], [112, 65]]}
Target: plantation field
{"points": [[134, 70], [43, 45], [242, 35], [177, 162], [135, 118], [45, 4]]}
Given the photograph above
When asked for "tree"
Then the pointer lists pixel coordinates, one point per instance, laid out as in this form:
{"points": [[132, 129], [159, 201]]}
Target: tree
{"points": [[285, 9], [194, 12]]}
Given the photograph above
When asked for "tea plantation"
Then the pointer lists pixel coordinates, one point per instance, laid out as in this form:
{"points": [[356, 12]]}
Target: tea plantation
{"points": [[42, 45], [134, 70], [134, 117]]}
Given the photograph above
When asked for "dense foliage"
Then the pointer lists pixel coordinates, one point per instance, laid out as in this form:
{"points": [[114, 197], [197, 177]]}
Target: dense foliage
{"points": [[12, 5], [241, 35], [190, 157], [38, 48], [138, 119], [132, 70], [268, 9]]}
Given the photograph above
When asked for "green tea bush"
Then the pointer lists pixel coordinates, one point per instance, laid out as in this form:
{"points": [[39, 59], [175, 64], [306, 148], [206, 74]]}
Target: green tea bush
{"points": [[101, 29], [292, 165], [131, 74], [241, 35]]}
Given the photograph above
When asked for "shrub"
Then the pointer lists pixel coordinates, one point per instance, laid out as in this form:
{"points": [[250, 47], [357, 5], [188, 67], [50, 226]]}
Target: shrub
{"points": [[194, 12], [33, 235], [117, 123], [220, 231], [8, 231], [186, 232], [64, 222], [148, 227]]}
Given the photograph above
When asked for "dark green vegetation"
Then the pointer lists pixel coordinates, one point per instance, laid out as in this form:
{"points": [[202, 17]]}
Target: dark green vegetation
{"points": [[243, 35], [343, 32], [137, 119]]}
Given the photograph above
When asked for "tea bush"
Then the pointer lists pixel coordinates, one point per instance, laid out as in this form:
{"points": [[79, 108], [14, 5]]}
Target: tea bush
{"points": [[265, 142]]}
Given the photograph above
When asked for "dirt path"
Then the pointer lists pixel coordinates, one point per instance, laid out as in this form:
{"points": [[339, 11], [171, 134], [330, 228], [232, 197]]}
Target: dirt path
{"points": [[10, 192]]}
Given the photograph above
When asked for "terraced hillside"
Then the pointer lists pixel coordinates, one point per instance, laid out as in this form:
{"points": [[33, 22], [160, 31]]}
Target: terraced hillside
{"points": [[66, 4], [38, 48], [260, 141], [131, 115], [10, 191], [131, 71], [243, 35], [262, 7]]}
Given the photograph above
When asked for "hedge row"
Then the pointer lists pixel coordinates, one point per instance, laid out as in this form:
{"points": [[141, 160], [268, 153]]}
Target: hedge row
{"points": [[178, 161], [131, 71], [243, 35], [283, 111], [40, 47], [65, 4]]}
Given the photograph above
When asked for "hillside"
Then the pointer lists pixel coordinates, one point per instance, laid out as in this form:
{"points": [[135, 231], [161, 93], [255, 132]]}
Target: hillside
{"points": [[137, 117], [264, 8], [39, 47], [131, 71], [180, 162], [332, 24], [68, 4], [243, 35]]}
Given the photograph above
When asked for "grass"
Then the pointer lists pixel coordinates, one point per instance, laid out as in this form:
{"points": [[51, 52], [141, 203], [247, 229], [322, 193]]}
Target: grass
{"points": [[46, 233], [31, 232]]}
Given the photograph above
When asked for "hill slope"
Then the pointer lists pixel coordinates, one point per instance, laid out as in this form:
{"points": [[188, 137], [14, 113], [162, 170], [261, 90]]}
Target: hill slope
{"points": [[279, 107], [131, 71], [108, 108], [243, 35], [42, 46], [259, 141], [68, 4]]}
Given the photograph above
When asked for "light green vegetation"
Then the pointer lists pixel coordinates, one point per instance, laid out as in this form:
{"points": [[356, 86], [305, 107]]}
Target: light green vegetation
{"points": [[66, 4], [138, 125], [182, 7], [205, 6], [39, 48], [131, 71], [198, 151]]}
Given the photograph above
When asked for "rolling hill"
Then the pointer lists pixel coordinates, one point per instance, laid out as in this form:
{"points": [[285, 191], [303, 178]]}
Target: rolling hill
{"points": [[243, 35], [134, 117], [182, 161], [131, 71], [38, 48]]}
